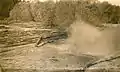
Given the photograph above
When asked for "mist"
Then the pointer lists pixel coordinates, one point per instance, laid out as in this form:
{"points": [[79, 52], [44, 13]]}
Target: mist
{"points": [[87, 39]]}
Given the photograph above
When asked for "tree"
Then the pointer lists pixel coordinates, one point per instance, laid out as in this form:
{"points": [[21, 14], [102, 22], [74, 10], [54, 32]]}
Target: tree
{"points": [[6, 6]]}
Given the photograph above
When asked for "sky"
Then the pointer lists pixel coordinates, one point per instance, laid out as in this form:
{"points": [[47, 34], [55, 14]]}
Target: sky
{"points": [[116, 2]]}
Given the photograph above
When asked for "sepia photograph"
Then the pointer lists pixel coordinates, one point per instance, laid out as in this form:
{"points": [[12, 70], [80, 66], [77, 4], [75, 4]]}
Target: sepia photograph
{"points": [[59, 35]]}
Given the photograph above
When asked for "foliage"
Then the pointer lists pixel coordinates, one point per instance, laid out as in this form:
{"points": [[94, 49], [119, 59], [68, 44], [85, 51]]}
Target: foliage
{"points": [[21, 12], [109, 13], [5, 7], [87, 12], [64, 13], [43, 12]]}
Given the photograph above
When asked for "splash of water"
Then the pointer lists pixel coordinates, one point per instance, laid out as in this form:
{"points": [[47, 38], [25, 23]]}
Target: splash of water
{"points": [[87, 39]]}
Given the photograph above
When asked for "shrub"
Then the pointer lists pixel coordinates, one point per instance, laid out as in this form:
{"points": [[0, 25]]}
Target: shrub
{"points": [[64, 13], [21, 11], [43, 12]]}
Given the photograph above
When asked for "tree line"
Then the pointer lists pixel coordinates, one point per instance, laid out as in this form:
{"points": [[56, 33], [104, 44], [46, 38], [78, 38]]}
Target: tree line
{"points": [[95, 13]]}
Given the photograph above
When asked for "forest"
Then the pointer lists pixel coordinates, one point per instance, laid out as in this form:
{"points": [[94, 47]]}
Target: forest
{"points": [[103, 12]]}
